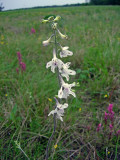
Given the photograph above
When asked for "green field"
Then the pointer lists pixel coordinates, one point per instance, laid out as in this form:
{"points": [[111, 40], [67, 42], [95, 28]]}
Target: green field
{"points": [[94, 38]]}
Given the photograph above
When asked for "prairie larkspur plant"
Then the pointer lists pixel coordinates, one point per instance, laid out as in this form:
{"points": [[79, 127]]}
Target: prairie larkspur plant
{"points": [[62, 69]]}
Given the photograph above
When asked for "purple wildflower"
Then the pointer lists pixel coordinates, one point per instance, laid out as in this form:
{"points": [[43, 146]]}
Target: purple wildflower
{"points": [[23, 66], [118, 132], [33, 31], [111, 126], [19, 56], [106, 117], [111, 113], [110, 107], [17, 70], [98, 128]]}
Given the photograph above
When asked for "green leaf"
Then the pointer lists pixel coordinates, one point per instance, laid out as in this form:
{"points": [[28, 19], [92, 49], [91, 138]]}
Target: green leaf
{"points": [[78, 71], [13, 113]]}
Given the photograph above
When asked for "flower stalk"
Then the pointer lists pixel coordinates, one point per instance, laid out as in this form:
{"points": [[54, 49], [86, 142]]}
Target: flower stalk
{"points": [[62, 70]]}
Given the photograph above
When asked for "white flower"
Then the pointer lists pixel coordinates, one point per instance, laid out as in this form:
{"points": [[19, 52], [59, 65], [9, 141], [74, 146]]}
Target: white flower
{"points": [[62, 35], [65, 89], [54, 63], [65, 72], [60, 106], [46, 43], [58, 112], [65, 52]]}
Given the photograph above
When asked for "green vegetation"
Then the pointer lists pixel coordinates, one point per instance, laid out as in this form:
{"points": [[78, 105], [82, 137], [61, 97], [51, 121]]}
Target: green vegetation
{"points": [[94, 37]]}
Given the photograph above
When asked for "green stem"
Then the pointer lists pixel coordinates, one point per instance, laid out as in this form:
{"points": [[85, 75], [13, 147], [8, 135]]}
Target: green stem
{"points": [[116, 149], [54, 117], [24, 153], [50, 139]]}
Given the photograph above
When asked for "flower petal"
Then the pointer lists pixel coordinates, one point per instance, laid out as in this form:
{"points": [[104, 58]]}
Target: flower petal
{"points": [[52, 112], [72, 93], [53, 68], [71, 72], [60, 93], [65, 48], [49, 64], [65, 75]]}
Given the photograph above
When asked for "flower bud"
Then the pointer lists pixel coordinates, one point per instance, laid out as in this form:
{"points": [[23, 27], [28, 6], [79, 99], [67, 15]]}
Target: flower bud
{"points": [[54, 26], [57, 18], [46, 43], [50, 18], [77, 84], [62, 35], [44, 21]]}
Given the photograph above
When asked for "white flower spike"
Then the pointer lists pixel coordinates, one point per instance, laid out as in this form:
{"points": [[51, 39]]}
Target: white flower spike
{"points": [[65, 52], [54, 63], [65, 89], [65, 71]]}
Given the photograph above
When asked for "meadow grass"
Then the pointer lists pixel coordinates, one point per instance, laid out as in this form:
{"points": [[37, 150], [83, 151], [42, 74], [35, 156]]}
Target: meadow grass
{"points": [[94, 37]]}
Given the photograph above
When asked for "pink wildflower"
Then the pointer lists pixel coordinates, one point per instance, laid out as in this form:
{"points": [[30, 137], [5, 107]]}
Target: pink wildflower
{"points": [[106, 117], [111, 116], [111, 113], [23, 66], [110, 107], [19, 56], [33, 31], [17, 70], [98, 128], [118, 132], [111, 126]]}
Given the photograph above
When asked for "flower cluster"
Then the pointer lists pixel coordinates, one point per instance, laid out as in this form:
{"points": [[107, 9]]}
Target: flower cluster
{"points": [[110, 114], [57, 65], [22, 65], [109, 119]]}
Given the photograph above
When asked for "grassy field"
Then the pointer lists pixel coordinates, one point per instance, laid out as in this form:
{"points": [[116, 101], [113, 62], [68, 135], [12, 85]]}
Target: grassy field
{"points": [[94, 37]]}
